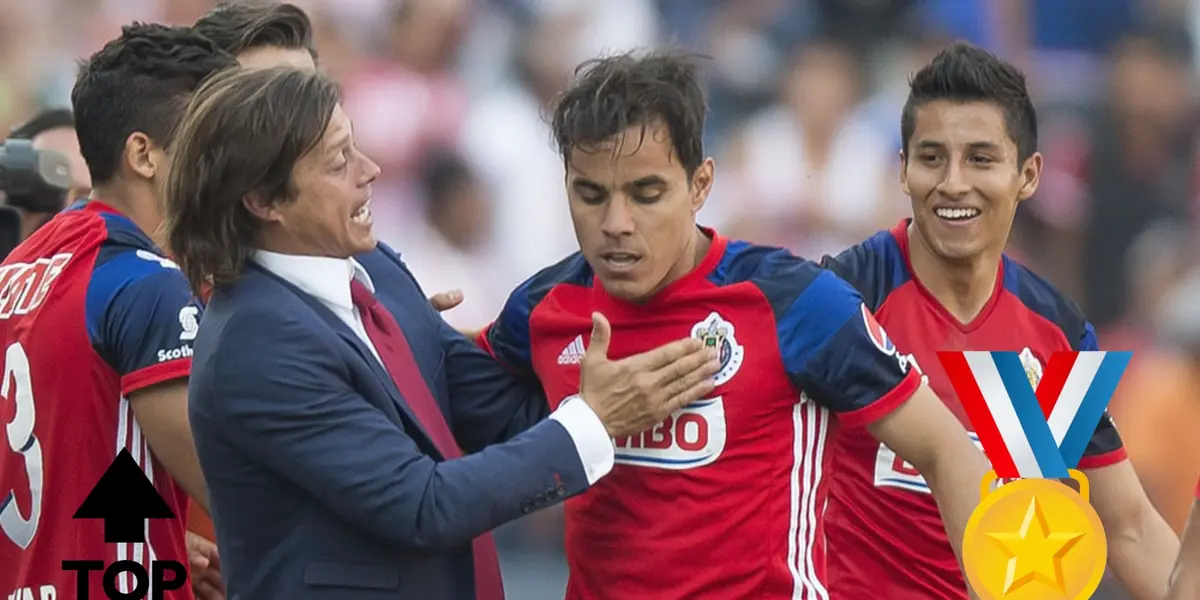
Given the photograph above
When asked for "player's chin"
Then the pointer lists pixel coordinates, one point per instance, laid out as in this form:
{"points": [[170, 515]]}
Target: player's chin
{"points": [[958, 250], [624, 287]]}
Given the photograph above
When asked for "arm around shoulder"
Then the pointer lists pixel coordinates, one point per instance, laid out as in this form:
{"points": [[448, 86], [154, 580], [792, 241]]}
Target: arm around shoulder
{"points": [[284, 398]]}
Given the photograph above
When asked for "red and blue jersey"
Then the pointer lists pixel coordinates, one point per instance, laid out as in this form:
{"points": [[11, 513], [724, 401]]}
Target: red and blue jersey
{"points": [[723, 499], [90, 312], [883, 527]]}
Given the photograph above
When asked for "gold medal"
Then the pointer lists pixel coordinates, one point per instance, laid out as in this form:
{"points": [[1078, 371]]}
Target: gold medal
{"points": [[1034, 539]]}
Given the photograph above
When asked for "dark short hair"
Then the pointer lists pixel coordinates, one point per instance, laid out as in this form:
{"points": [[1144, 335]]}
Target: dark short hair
{"points": [[242, 135], [965, 73], [239, 26], [140, 81], [615, 93], [50, 118]]}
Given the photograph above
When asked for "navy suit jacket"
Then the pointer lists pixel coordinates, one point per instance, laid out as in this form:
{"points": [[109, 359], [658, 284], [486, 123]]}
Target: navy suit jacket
{"points": [[323, 486]]}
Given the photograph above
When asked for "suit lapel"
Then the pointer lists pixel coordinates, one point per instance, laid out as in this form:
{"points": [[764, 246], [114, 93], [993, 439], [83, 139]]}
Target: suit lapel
{"points": [[360, 348]]}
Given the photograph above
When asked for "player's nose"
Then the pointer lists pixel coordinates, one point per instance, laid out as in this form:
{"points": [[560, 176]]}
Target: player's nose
{"points": [[955, 183], [618, 217]]}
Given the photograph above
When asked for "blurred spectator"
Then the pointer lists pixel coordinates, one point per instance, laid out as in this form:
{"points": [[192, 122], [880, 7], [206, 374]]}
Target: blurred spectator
{"points": [[507, 137], [1158, 407], [1115, 170], [449, 249], [409, 101], [812, 173]]}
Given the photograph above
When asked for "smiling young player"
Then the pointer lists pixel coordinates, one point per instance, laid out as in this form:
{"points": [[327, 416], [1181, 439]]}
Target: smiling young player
{"points": [[723, 499], [941, 281]]}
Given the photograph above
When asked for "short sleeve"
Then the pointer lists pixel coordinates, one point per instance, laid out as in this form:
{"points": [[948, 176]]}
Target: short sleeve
{"points": [[142, 318], [834, 350], [507, 338], [1105, 448]]}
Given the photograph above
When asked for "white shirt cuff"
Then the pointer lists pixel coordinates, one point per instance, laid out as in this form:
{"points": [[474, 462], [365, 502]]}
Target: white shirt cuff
{"points": [[595, 448]]}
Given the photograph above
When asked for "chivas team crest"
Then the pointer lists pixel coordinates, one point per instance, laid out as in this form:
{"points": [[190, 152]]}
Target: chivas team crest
{"points": [[717, 333], [1033, 368]]}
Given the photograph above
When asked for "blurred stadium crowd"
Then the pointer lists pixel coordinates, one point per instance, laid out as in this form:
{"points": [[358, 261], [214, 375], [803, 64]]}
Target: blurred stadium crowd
{"points": [[448, 95]]}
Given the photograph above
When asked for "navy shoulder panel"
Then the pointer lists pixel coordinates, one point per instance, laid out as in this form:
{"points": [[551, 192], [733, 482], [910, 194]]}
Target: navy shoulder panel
{"points": [[875, 267], [509, 336], [1041, 297]]}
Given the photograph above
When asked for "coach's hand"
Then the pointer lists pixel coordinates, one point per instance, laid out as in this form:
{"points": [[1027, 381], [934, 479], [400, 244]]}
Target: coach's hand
{"points": [[635, 393], [444, 301], [204, 563]]}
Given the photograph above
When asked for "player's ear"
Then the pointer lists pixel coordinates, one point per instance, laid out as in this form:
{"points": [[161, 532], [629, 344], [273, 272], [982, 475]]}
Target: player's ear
{"points": [[1031, 175], [904, 172], [139, 150], [702, 182]]}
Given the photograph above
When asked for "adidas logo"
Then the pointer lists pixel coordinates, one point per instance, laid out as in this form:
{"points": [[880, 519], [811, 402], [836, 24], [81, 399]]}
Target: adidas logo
{"points": [[573, 353]]}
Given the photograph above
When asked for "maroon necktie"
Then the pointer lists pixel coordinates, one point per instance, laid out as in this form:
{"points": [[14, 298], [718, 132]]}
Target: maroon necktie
{"points": [[397, 357]]}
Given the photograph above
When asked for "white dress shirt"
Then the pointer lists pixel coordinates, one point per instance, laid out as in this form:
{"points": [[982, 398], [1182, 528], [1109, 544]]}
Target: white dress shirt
{"points": [[328, 280]]}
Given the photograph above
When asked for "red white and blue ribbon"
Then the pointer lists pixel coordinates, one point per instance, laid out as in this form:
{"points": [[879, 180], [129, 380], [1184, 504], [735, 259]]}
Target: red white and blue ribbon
{"points": [[1028, 433]]}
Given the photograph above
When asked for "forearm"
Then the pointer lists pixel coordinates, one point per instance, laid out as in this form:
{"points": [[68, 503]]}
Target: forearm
{"points": [[1141, 555], [161, 414], [954, 481], [926, 434], [1185, 580]]}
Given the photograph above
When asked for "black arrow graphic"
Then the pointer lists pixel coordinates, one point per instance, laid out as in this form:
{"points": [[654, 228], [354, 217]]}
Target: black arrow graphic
{"points": [[124, 497]]}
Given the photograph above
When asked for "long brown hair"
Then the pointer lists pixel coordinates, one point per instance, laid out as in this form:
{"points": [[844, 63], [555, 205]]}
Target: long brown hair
{"points": [[242, 134]]}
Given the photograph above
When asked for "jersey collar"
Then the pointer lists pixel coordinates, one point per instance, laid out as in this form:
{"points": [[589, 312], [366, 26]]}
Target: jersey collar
{"points": [[900, 233], [611, 306]]}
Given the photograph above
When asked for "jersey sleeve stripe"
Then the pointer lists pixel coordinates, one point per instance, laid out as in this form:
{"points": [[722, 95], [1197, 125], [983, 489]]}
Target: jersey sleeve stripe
{"points": [[800, 335], [1098, 461], [155, 374], [885, 404]]}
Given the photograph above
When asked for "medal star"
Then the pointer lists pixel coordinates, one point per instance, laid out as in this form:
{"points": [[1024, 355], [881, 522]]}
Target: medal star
{"points": [[1034, 552]]}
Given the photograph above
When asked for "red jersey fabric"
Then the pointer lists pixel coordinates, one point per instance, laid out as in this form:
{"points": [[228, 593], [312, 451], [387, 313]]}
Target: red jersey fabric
{"points": [[724, 499], [90, 312]]}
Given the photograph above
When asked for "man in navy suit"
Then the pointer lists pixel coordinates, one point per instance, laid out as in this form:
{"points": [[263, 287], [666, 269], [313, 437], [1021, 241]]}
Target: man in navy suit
{"points": [[355, 445]]}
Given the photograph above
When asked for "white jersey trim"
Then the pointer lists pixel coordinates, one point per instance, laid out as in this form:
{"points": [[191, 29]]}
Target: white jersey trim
{"points": [[129, 437], [810, 425]]}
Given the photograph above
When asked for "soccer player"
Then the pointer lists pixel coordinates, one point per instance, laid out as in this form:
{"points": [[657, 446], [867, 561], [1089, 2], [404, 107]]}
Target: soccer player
{"points": [[1185, 583], [261, 35], [940, 281], [96, 326], [725, 498]]}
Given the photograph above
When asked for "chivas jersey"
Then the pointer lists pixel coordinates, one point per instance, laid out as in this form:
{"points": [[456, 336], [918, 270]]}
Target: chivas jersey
{"points": [[90, 312], [723, 499], [883, 528]]}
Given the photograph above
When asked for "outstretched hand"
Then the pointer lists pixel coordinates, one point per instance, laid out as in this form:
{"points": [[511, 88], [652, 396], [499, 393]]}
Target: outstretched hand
{"points": [[635, 393]]}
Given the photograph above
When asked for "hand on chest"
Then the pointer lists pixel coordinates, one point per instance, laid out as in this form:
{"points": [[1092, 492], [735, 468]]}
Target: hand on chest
{"points": [[697, 435], [560, 344]]}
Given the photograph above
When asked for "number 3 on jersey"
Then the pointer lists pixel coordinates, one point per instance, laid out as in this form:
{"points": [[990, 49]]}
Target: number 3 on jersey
{"points": [[17, 389]]}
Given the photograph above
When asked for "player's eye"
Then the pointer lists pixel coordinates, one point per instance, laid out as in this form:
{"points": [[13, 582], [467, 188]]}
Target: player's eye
{"points": [[647, 198], [980, 159], [929, 158]]}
